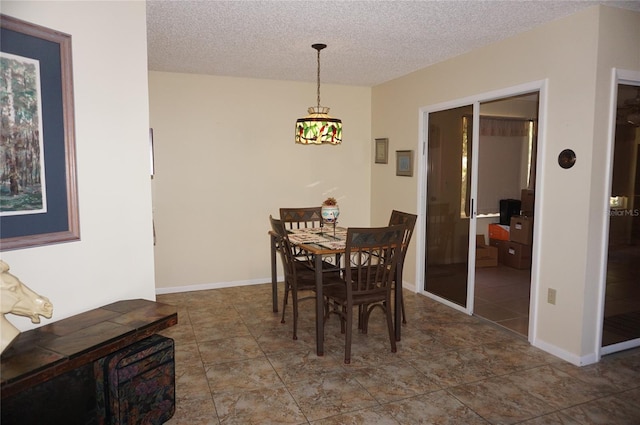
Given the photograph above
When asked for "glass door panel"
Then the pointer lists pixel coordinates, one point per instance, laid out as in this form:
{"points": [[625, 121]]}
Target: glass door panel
{"points": [[621, 325], [506, 169], [448, 203]]}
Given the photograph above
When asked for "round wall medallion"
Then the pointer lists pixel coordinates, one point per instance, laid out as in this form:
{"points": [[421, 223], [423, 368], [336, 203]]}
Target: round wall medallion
{"points": [[567, 158]]}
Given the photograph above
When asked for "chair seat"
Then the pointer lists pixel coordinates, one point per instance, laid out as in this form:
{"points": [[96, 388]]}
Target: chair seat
{"points": [[310, 265], [306, 277], [338, 291]]}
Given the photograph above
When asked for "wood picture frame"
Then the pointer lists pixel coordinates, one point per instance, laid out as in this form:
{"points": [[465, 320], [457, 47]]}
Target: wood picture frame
{"points": [[381, 151], [404, 163], [23, 43]]}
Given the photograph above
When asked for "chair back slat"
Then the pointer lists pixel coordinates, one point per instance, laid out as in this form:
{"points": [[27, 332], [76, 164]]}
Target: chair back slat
{"points": [[299, 218]]}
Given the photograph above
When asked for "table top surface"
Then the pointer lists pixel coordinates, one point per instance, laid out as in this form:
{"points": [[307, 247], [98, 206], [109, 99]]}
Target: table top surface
{"points": [[319, 240]]}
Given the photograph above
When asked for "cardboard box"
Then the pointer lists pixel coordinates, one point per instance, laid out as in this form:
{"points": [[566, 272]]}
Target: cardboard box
{"points": [[517, 255], [486, 255], [501, 246], [527, 198], [521, 230], [498, 231]]}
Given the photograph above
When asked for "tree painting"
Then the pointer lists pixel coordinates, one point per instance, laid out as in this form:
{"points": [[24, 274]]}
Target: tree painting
{"points": [[22, 178]]}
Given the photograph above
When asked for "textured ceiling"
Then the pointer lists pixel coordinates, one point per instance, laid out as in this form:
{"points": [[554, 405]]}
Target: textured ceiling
{"points": [[369, 42]]}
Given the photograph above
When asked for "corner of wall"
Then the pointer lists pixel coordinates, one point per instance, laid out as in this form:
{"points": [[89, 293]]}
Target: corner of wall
{"points": [[565, 355]]}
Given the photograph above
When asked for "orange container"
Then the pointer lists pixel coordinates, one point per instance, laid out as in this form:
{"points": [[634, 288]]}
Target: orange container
{"points": [[499, 231]]}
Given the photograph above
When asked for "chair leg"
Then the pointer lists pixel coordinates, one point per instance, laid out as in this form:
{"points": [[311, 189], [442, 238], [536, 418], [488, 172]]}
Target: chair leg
{"points": [[392, 336], [294, 296], [327, 309], [362, 325], [285, 300], [404, 318], [363, 319], [366, 314], [347, 344]]}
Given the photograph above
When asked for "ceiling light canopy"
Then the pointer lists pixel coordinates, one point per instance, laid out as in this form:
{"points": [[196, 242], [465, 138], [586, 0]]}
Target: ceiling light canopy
{"points": [[318, 127]]}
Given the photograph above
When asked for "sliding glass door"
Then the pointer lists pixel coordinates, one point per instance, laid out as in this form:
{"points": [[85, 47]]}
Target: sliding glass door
{"points": [[448, 204], [621, 324]]}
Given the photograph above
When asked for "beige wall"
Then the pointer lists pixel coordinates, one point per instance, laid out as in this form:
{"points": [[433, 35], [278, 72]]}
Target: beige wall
{"points": [[226, 160], [574, 55], [114, 258]]}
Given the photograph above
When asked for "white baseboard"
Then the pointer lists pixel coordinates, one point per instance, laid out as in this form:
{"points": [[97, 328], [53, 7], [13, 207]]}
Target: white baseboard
{"points": [[207, 286], [218, 285], [565, 355]]}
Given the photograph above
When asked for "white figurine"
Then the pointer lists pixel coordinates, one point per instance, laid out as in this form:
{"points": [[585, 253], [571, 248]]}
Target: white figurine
{"points": [[17, 298]]}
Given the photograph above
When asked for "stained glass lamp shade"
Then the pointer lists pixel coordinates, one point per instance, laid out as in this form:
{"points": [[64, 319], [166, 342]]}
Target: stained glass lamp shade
{"points": [[318, 127]]}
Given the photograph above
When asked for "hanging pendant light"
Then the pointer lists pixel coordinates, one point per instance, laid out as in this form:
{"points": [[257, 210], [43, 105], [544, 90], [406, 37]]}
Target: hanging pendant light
{"points": [[318, 127]]}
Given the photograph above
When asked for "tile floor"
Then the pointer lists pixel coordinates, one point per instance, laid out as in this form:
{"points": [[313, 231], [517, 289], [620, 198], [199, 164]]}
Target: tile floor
{"points": [[502, 296], [237, 364]]}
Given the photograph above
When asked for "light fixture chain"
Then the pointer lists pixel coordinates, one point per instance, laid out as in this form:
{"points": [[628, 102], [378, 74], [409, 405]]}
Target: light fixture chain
{"points": [[318, 79]]}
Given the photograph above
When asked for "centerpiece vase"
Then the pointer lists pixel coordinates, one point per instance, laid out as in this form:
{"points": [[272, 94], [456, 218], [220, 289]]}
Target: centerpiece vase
{"points": [[330, 215]]}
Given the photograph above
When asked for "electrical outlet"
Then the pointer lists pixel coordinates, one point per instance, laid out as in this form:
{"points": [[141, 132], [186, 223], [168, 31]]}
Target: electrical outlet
{"points": [[551, 296]]}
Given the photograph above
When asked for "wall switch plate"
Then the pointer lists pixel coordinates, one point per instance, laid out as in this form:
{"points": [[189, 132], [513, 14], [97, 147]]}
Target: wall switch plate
{"points": [[551, 296]]}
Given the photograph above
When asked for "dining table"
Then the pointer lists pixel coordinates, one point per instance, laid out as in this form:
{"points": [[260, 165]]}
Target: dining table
{"points": [[320, 243]]}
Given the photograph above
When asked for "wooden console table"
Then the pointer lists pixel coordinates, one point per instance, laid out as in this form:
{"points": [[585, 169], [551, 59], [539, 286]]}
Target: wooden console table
{"points": [[39, 355]]}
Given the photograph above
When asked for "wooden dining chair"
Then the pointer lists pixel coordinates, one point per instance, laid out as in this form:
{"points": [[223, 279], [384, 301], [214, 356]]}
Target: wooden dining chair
{"points": [[306, 218], [301, 218], [409, 221], [373, 255], [299, 280]]}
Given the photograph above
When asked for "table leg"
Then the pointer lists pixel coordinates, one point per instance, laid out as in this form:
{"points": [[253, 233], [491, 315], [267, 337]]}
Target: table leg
{"points": [[319, 307], [398, 303], [274, 275]]}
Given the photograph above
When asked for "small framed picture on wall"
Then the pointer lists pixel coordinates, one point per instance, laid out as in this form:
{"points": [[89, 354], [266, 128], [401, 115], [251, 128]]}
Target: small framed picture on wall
{"points": [[404, 163], [382, 151]]}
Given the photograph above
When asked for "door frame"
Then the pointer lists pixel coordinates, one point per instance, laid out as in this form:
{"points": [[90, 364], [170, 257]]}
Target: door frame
{"points": [[423, 125], [618, 76]]}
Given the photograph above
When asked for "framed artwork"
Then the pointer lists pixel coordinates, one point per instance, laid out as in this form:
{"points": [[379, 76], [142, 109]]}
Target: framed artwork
{"points": [[38, 190], [382, 151], [404, 163]]}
